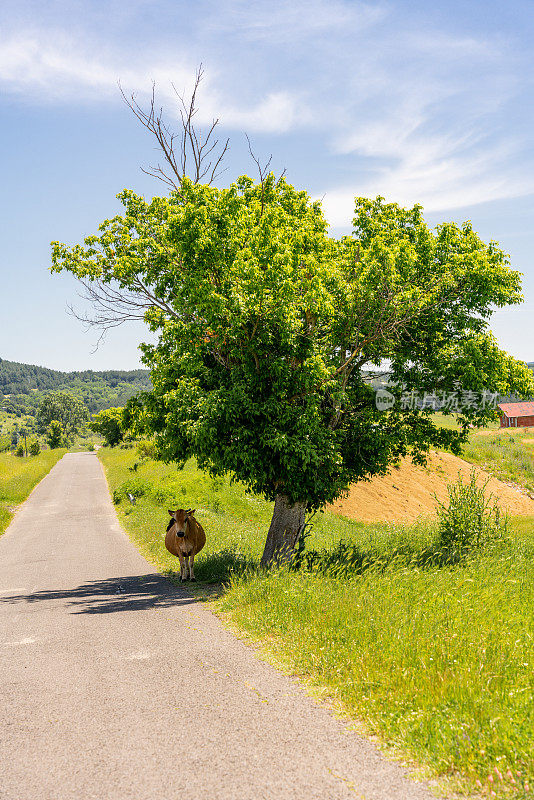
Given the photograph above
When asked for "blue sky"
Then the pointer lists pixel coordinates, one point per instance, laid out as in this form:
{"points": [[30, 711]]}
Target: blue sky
{"points": [[417, 101]]}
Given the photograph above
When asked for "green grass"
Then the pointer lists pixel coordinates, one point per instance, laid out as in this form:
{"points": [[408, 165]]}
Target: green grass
{"points": [[18, 476], [444, 420], [506, 455], [437, 660], [449, 421], [235, 521]]}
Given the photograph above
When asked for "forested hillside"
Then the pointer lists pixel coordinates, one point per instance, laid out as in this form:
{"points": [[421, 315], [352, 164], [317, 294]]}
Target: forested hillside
{"points": [[22, 386]]}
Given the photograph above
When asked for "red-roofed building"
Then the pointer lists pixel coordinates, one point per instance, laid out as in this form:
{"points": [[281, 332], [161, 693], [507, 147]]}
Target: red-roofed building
{"points": [[517, 415]]}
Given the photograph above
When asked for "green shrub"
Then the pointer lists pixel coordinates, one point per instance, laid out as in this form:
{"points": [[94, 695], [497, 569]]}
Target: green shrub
{"points": [[20, 450], [137, 487], [470, 520], [34, 448], [90, 447], [164, 495], [146, 449]]}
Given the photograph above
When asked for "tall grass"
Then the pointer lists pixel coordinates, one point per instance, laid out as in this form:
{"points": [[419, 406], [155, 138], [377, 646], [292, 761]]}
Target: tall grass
{"points": [[508, 456], [436, 657], [437, 660], [18, 476]]}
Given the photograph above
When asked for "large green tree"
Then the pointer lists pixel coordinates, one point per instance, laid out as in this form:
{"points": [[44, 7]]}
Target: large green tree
{"points": [[267, 328], [64, 407], [109, 424]]}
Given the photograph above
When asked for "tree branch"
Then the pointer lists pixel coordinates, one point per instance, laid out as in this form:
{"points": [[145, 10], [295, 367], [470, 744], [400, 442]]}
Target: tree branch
{"points": [[115, 305], [179, 149]]}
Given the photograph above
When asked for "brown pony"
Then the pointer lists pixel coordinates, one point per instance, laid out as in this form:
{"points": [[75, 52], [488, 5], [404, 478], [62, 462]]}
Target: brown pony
{"points": [[185, 538]]}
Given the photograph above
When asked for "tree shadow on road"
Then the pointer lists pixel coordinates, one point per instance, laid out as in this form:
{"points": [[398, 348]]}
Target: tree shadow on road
{"points": [[126, 593]]}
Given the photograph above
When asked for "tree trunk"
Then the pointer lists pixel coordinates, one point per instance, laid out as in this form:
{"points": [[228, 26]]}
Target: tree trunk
{"points": [[286, 526]]}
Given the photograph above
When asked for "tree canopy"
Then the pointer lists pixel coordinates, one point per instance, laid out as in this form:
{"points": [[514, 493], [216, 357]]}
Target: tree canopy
{"points": [[64, 408], [108, 423], [266, 327], [23, 386], [55, 435]]}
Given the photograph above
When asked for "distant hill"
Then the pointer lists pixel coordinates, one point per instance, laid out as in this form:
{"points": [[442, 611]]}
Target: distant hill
{"points": [[22, 386]]}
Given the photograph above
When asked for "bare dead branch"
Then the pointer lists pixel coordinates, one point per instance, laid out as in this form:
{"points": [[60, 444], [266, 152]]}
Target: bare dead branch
{"points": [[262, 171], [114, 305], [180, 150]]}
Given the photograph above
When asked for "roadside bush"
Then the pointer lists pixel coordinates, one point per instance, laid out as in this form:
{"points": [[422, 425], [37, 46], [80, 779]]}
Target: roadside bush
{"points": [[470, 520], [19, 450], [137, 487], [34, 448], [164, 494], [146, 449]]}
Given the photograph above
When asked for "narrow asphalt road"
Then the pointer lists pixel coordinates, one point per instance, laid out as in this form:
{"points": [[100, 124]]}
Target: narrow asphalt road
{"points": [[117, 685]]}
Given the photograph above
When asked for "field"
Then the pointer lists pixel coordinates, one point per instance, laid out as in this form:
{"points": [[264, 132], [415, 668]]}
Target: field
{"points": [[507, 453], [436, 660], [18, 476]]}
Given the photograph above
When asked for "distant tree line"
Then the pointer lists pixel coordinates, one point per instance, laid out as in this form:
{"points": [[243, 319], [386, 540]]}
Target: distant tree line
{"points": [[24, 386]]}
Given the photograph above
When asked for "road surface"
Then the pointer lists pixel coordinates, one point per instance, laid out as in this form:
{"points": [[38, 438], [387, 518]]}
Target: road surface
{"points": [[115, 684]]}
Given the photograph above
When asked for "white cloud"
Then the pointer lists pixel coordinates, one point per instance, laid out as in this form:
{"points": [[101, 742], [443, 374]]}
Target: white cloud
{"points": [[417, 113], [56, 68], [29, 64], [280, 21], [338, 204], [438, 180], [432, 128]]}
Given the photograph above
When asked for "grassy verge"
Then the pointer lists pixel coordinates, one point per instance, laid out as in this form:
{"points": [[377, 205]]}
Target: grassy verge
{"points": [[18, 476], [438, 660], [235, 521], [449, 421]]}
